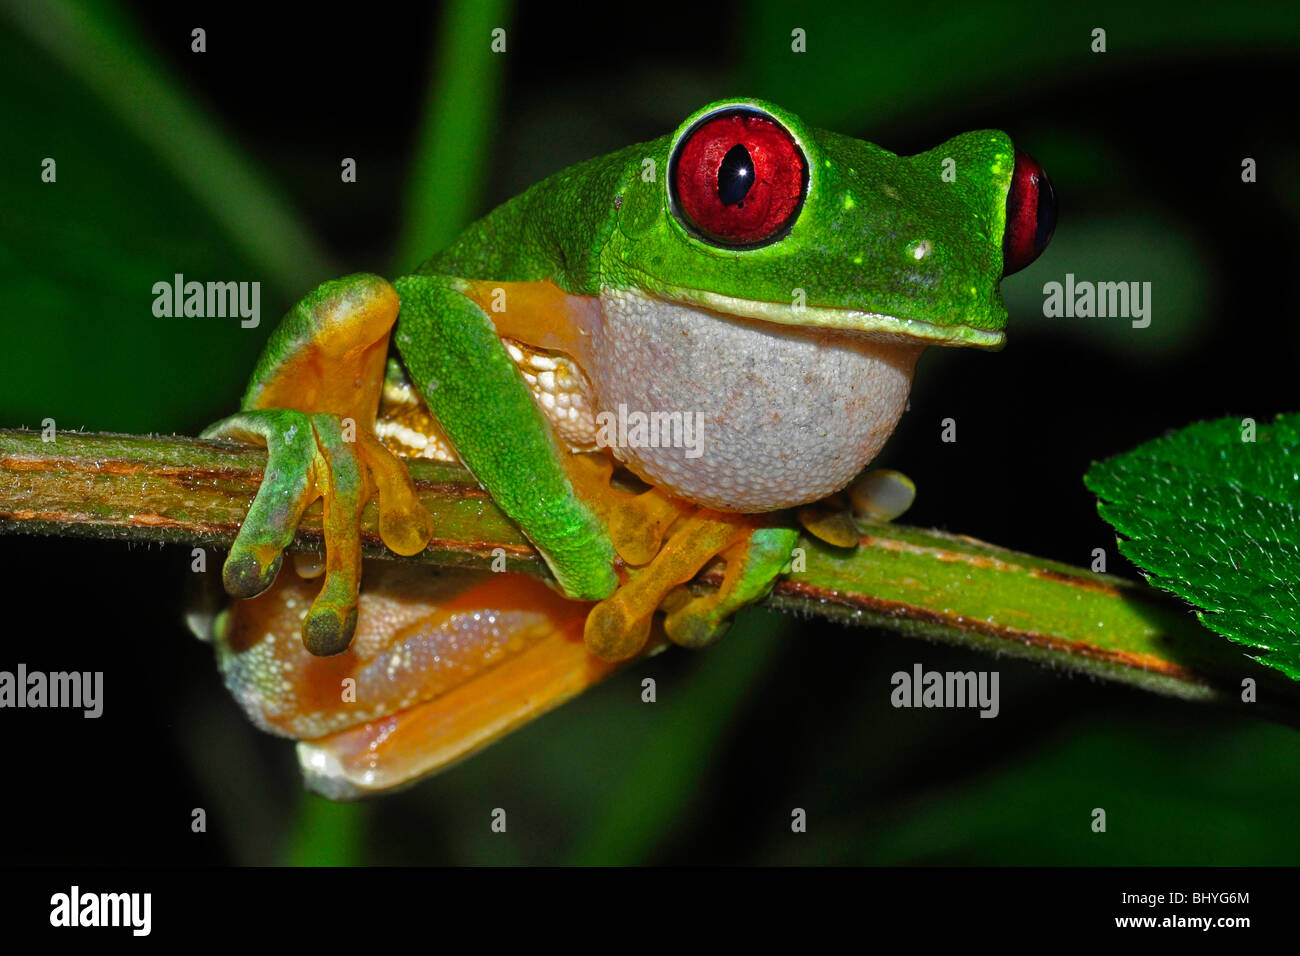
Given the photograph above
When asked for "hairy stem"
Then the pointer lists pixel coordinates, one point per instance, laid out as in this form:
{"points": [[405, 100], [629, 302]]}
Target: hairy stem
{"points": [[918, 582]]}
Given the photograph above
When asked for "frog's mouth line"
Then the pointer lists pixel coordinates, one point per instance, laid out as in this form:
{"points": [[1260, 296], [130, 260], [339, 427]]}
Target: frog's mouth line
{"points": [[848, 320]]}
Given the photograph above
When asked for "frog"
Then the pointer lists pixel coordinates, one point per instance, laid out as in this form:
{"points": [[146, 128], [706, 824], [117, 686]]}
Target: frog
{"points": [[646, 360]]}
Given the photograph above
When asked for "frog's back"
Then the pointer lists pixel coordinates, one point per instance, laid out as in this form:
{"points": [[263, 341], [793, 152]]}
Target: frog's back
{"points": [[552, 231]]}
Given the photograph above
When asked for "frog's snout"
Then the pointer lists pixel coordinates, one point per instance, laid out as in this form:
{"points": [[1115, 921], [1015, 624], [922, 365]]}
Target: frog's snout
{"points": [[1031, 215]]}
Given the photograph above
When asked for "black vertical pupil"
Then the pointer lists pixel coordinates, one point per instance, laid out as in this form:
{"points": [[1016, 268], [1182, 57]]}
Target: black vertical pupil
{"points": [[735, 175]]}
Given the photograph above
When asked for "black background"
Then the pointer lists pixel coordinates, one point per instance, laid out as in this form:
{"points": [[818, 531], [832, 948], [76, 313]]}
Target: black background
{"points": [[815, 728]]}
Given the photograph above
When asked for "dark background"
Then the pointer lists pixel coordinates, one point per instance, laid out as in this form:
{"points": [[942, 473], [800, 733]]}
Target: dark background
{"points": [[1144, 144]]}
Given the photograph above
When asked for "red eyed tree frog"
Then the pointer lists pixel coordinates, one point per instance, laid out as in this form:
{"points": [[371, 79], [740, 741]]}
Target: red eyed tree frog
{"points": [[731, 313]]}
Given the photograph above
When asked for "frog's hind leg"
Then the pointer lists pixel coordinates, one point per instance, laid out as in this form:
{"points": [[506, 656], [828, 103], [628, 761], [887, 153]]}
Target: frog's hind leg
{"points": [[881, 495], [875, 496], [442, 665]]}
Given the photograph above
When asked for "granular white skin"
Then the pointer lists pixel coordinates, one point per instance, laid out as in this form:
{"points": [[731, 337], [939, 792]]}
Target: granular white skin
{"points": [[790, 414]]}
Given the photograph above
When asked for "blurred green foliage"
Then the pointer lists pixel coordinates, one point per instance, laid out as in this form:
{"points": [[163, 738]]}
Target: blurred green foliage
{"points": [[169, 162]]}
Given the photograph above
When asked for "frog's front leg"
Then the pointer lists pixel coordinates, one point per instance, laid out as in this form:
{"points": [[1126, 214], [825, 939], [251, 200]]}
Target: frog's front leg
{"points": [[312, 402], [457, 362], [669, 541]]}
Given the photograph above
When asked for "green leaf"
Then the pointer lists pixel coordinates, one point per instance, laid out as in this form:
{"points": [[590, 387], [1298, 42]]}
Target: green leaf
{"points": [[451, 158], [1211, 515]]}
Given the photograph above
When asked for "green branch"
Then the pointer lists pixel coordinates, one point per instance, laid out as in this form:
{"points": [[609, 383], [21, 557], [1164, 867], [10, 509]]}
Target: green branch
{"points": [[917, 582]]}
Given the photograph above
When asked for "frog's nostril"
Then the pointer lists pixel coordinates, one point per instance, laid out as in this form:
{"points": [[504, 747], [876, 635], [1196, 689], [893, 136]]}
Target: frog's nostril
{"points": [[1031, 215]]}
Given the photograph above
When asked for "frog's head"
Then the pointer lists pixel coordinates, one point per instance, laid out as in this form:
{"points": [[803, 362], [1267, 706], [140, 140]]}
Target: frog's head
{"points": [[758, 215]]}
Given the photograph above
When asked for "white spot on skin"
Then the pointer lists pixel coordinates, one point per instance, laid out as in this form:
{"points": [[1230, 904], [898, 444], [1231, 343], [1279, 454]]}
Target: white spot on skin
{"points": [[400, 433], [559, 387], [399, 393]]}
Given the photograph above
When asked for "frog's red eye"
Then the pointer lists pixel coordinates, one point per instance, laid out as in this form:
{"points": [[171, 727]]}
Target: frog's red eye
{"points": [[1031, 215], [737, 179]]}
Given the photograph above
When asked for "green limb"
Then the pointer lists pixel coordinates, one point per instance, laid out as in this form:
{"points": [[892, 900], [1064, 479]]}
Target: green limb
{"points": [[307, 458], [286, 491], [332, 619], [459, 365], [752, 568]]}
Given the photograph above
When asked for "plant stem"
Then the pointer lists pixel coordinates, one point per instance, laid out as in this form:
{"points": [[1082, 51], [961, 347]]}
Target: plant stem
{"points": [[917, 582]]}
